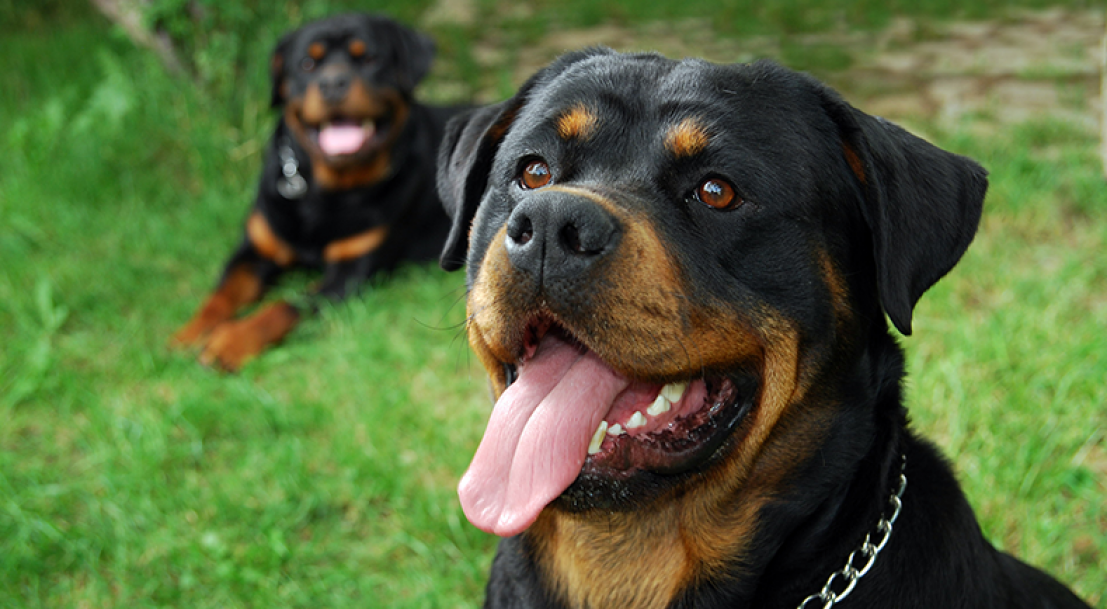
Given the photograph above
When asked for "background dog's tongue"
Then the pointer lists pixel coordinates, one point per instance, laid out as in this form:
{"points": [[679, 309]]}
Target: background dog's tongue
{"points": [[342, 139], [537, 438]]}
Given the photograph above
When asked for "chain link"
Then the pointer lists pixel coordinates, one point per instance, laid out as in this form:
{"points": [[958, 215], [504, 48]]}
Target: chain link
{"points": [[867, 552]]}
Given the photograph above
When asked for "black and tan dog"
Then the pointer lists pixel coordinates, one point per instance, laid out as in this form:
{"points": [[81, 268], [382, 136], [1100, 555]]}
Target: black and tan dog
{"points": [[678, 277], [347, 185]]}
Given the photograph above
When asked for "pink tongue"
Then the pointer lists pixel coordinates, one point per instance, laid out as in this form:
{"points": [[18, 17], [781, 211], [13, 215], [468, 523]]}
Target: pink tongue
{"points": [[342, 139], [537, 438]]}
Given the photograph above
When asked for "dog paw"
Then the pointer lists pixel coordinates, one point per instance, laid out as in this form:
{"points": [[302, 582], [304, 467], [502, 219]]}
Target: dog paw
{"points": [[233, 344]]}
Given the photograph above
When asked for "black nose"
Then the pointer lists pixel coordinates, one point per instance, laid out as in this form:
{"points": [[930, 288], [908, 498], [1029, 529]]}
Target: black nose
{"points": [[557, 235], [334, 85]]}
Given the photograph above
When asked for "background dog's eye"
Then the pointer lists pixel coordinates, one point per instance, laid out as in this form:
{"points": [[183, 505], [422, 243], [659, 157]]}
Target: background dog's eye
{"points": [[308, 64], [536, 174], [717, 193]]}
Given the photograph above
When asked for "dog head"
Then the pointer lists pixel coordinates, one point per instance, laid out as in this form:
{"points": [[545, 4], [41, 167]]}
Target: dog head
{"points": [[673, 271], [345, 87]]}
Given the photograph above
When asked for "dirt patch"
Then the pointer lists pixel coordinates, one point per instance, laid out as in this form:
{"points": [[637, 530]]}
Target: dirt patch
{"points": [[1020, 66]]}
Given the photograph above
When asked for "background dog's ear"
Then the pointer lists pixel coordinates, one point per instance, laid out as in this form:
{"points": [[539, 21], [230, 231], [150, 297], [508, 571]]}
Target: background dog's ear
{"points": [[411, 53], [922, 205], [277, 63], [468, 149]]}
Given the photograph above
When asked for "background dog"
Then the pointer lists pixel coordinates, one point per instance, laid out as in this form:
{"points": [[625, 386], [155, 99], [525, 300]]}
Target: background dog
{"points": [[348, 181], [678, 278]]}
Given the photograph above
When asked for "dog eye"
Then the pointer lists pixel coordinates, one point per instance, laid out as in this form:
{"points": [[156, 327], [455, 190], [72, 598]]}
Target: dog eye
{"points": [[717, 193], [308, 64], [535, 175]]}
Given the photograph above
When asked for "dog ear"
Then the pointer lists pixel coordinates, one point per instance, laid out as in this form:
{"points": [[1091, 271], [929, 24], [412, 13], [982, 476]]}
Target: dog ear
{"points": [[922, 204], [464, 161], [468, 149], [411, 52], [277, 63]]}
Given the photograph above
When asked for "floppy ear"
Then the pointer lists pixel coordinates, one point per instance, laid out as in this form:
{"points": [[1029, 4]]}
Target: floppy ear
{"points": [[464, 161], [276, 70], [922, 205], [468, 149], [411, 52]]}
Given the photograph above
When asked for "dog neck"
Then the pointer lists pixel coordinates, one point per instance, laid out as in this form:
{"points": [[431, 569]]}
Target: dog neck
{"points": [[632, 559], [732, 542]]}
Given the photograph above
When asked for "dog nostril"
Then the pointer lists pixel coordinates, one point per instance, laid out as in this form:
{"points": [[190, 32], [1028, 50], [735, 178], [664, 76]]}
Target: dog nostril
{"points": [[520, 230], [570, 236], [584, 242]]}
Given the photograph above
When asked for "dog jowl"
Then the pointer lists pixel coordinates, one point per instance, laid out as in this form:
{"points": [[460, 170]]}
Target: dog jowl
{"points": [[679, 275], [347, 182]]}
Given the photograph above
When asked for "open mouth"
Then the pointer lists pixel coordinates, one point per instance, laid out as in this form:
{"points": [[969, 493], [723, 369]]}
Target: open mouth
{"points": [[344, 136], [568, 414]]}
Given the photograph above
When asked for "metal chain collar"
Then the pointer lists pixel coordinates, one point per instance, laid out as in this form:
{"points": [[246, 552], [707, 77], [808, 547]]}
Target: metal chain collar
{"points": [[847, 576], [291, 184]]}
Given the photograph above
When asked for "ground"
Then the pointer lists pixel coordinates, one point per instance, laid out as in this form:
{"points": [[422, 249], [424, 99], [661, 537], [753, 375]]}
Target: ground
{"points": [[1005, 70]]}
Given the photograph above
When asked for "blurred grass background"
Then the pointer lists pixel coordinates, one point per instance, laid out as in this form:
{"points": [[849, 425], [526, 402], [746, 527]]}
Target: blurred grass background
{"points": [[323, 475]]}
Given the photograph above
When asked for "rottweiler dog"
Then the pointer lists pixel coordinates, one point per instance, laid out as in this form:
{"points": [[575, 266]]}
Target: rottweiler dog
{"points": [[678, 277], [347, 184]]}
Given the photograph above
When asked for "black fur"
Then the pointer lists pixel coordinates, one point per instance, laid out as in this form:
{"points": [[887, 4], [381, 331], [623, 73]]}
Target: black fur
{"points": [[892, 212], [386, 185]]}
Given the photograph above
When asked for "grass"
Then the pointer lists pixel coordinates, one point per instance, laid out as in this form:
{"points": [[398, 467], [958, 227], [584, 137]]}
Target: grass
{"points": [[323, 475]]}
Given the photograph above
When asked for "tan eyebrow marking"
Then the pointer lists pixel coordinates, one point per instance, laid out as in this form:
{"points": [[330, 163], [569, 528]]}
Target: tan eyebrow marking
{"points": [[577, 122], [687, 138]]}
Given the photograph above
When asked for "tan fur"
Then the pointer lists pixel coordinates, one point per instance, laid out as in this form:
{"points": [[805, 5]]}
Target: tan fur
{"points": [[266, 242], [854, 161], [356, 246], [361, 170], [644, 559], [240, 288], [577, 122], [688, 138], [839, 293], [235, 343], [643, 323]]}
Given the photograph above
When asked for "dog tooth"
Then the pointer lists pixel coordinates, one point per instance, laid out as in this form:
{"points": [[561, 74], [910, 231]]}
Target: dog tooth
{"points": [[674, 391], [636, 420], [597, 438], [615, 430], [660, 405]]}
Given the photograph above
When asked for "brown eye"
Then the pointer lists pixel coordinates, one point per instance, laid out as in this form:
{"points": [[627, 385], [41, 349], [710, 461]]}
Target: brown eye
{"points": [[717, 193], [536, 174]]}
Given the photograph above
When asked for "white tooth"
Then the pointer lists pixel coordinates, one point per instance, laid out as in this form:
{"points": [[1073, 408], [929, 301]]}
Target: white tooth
{"points": [[636, 420], [597, 438], [660, 405], [615, 430], [674, 391]]}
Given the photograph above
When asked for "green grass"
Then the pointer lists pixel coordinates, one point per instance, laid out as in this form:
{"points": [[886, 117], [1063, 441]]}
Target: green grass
{"points": [[323, 475]]}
